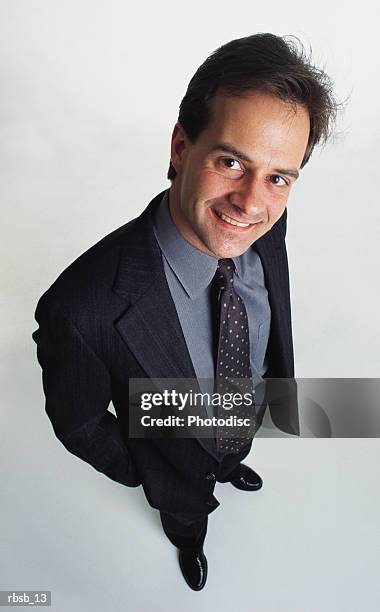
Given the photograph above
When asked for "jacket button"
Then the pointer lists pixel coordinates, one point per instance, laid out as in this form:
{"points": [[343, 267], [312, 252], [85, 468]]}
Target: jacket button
{"points": [[210, 476]]}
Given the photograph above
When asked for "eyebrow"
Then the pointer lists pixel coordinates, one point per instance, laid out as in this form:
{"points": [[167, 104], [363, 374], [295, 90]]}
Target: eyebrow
{"points": [[227, 148]]}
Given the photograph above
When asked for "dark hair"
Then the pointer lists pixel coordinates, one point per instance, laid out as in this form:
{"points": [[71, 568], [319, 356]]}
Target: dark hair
{"points": [[267, 63]]}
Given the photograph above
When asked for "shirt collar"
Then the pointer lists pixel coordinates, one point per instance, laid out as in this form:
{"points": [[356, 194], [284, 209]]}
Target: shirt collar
{"points": [[194, 269], [238, 266]]}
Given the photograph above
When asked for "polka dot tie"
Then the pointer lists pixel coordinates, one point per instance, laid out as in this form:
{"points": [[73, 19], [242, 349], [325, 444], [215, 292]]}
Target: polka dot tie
{"points": [[233, 367]]}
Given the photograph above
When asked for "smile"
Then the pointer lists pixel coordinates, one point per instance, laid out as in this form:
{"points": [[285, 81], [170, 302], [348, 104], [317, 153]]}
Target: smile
{"points": [[230, 220]]}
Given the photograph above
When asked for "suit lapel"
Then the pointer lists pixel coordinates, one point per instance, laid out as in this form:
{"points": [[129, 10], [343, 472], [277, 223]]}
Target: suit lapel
{"points": [[150, 325], [272, 251]]}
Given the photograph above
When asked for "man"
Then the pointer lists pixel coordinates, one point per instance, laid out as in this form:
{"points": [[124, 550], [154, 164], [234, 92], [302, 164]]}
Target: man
{"points": [[151, 298]]}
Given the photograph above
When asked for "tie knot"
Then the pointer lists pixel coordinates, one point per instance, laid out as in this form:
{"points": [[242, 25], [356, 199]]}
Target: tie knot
{"points": [[225, 274]]}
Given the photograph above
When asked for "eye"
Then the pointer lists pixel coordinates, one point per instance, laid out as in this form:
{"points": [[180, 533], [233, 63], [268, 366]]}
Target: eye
{"points": [[231, 163], [276, 179]]}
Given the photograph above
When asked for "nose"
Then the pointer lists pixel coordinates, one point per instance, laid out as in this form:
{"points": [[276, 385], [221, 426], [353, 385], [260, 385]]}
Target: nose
{"points": [[249, 197]]}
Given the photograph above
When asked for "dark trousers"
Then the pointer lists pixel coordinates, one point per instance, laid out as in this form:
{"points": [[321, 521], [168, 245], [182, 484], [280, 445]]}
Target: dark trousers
{"points": [[191, 536]]}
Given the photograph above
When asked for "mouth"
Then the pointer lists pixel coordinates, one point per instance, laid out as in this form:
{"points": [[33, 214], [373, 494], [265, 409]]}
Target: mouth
{"points": [[232, 223]]}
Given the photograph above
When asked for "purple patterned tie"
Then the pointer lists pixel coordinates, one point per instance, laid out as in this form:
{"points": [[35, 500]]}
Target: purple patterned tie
{"points": [[233, 367]]}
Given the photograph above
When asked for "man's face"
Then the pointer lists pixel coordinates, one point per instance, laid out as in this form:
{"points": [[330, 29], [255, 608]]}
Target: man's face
{"points": [[233, 183]]}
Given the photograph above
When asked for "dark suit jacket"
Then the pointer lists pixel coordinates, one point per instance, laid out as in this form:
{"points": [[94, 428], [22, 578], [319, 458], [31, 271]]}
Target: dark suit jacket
{"points": [[110, 317]]}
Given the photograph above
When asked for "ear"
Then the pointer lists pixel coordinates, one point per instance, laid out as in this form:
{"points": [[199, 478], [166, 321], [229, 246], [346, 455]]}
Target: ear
{"points": [[178, 145]]}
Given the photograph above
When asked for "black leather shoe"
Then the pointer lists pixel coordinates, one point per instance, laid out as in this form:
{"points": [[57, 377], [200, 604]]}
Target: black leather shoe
{"points": [[193, 564], [246, 479]]}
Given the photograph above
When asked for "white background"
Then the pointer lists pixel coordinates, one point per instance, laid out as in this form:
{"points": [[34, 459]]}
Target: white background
{"points": [[89, 95]]}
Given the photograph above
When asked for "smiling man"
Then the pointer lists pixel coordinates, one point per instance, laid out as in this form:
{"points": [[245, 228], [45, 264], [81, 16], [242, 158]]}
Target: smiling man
{"points": [[196, 287], [234, 181]]}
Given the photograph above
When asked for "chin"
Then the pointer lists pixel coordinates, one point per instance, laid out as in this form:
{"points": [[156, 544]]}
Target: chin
{"points": [[226, 249], [231, 249], [229, 253]]}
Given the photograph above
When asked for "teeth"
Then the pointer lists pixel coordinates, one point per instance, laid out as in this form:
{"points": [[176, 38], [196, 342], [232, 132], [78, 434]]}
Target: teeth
{"points": [[231, 221]]}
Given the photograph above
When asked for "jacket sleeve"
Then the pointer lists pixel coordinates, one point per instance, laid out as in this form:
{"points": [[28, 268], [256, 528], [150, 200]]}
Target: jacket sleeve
{"points": [[77, 388]]}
